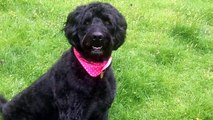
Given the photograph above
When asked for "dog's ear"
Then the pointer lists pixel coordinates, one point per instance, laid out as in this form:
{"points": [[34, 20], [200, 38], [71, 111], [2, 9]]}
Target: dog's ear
{"points": [[71, 26], [120, 31]]}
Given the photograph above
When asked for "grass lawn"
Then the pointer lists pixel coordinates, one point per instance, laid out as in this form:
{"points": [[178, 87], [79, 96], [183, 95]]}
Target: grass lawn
{"points": [[164, 70]]}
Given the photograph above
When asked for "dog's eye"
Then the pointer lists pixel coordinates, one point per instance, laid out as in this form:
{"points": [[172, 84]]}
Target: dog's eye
{"points": [[107, 22], [87, 22]]}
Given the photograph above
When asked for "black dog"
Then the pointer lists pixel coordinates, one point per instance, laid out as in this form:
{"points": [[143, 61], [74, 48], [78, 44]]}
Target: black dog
{"points": [[81, 85]]}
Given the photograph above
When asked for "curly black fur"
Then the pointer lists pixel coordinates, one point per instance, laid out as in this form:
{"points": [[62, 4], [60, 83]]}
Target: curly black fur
{"points": [[2, 102], [67, 91]]}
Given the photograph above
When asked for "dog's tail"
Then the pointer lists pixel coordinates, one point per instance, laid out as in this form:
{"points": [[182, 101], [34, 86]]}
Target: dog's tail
{"points": [[2, 102]]}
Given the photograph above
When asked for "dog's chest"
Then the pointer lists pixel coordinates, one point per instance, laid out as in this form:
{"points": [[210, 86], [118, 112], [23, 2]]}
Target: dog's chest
{"points": [[102, 98], [103, 93]]}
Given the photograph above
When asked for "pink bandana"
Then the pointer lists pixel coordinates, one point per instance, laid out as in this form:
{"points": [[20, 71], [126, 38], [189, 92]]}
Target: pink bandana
{"points": [[94, 69]]}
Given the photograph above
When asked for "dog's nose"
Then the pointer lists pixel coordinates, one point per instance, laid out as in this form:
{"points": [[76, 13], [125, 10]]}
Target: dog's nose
{"points": [[97, 36]]}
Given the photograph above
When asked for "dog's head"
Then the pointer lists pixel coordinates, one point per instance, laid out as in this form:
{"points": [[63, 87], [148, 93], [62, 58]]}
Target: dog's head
{"points": [[95, 30]]}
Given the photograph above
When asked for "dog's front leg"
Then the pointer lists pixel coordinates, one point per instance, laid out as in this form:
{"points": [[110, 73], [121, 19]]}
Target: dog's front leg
{"points": [[70, 114], [99, 116], [71, 107], [105, 116], [73, 112]]}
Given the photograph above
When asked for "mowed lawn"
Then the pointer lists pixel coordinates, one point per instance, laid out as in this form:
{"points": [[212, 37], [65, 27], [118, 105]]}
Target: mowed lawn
{"points": [[164, 70]]}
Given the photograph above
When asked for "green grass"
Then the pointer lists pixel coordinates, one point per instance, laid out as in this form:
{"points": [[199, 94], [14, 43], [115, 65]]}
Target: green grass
{"points": [[164, 70]]}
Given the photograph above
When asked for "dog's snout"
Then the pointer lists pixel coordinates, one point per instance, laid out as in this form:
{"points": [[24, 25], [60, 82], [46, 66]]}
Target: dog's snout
{"points": [[97, 36]]}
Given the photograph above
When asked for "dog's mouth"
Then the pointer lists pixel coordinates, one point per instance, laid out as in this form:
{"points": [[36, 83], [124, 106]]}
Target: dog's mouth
{"points": [[97, 47], [97, 50]]}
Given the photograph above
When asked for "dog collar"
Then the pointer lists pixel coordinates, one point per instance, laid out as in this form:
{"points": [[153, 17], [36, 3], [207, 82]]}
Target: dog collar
{"points": [[94, 69]]}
